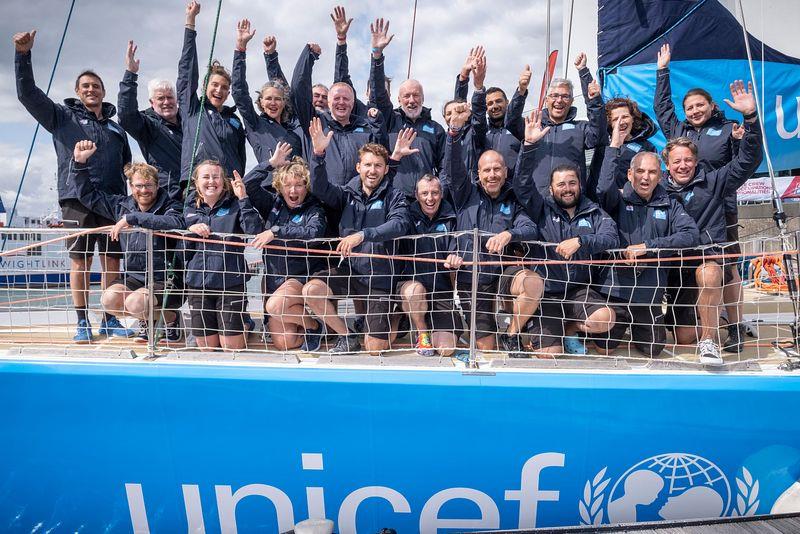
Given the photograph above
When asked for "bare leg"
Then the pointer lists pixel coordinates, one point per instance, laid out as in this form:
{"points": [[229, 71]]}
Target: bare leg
{"points": [[316, 294], [445, 343], [235, 342], [526, 288], [211, 341], [733, 296], [79, 280], [600, 321], [114, 298], [415, 303], [709, 283], [110, 270]]}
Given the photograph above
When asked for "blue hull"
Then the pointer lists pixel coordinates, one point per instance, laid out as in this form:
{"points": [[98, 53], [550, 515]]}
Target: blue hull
{"points": [[164, 447]]}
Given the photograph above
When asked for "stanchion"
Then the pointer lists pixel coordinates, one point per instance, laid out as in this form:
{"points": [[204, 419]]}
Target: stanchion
{"points": [[151, 329], [473, 356]]}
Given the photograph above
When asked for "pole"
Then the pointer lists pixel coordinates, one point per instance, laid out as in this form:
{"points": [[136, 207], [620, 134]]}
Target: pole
{"points": [[473, 357], [411, 46], [569, 38], [547, 36], [151, 330]]}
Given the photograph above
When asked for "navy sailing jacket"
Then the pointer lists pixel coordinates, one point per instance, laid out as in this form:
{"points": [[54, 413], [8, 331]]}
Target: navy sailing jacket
{"points": [[211, 265], [159, 140], [433, 276], [72, 122], [293, 227], [430, 135], [595, 228], [491, 216], [114, 207], [658, 223], [263, 133], [221, 132], [703, 197], [381, 216]]}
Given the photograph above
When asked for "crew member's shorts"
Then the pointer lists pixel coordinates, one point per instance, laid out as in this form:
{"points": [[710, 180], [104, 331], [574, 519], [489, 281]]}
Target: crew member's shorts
{"points": [[217, 311], [485, 304], [646, 323], [550, 319], [76, 215]]}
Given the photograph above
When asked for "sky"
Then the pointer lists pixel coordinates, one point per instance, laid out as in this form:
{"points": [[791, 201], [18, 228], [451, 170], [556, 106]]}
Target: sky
{"points": [[512, 31]]}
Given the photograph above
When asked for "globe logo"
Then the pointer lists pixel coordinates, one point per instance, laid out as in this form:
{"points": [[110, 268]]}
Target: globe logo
{"points": [[669, 487]]}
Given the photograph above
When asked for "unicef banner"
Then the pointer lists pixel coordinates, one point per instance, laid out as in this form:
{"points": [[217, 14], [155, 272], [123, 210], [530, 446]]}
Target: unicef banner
{"points": [[151, 447]]}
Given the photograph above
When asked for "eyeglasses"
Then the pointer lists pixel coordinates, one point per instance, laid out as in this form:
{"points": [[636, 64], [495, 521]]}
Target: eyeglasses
{"points": [[143, 187], [557, 96]]}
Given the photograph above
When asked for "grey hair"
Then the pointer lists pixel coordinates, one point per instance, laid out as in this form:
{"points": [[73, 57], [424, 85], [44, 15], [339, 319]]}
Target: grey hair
{"points": [[428, 177], [287, 108], [320, 85], [160, 85], [639, 156], [555, 82]]}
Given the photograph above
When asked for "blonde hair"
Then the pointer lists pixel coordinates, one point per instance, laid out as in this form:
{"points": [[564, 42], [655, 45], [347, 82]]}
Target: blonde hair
{"points": [[226, 182], [148, 172], [297, 168]]}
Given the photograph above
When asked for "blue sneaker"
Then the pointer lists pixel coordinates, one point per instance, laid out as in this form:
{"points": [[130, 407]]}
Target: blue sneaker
{"points": [[313, 338], [84, 333], [574, 345], [113, 328], [249, 323]]}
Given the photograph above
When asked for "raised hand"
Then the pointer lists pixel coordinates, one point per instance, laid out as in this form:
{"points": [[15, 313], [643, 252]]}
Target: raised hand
{"points": [[239, 188], [460, 115], [593, 91], [533, 127], [270, 44], [617, 137], [340, 23], [580, 61], [281, 155], [244, 34], [743, 101], [83, 151], [402, 147], [738, 131], [524, 80], [131, 63], [372, 113], [380, 36], [664, 56], [23, 41], [319, 140], [315, 49], [192, 10], [479, 70]]}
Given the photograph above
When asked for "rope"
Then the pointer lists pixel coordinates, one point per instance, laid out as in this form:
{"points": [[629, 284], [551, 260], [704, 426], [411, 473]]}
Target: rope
{"points": [[203, 100], [411, 46], [36, 131]]}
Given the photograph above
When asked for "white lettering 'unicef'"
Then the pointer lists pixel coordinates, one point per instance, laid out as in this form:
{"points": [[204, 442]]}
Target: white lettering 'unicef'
{"points": [[780, 124], [529, 496]]}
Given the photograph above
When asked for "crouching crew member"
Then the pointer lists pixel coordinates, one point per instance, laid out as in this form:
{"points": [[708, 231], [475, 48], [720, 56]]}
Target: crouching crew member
{"points": [[579, 230]]}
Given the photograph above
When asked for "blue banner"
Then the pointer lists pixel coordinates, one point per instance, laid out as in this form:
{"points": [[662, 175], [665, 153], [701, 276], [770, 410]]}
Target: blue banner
{"points": [[158, 447], [708, 51]]}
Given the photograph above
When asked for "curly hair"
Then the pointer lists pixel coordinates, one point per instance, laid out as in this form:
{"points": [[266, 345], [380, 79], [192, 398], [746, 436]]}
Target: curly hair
{"points": [[287, 106], [633, 109], [297, 168], [148, 172]]}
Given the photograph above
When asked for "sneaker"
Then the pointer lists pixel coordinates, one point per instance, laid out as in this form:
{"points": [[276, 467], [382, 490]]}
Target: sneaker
{"points": [[142, 336], [574, 345], [735, 342], [313, 338], [249, 323], [113, 328], [84, 332], [709, 353], [424, 345], [346, 344], [172, 331], [512, 344]]}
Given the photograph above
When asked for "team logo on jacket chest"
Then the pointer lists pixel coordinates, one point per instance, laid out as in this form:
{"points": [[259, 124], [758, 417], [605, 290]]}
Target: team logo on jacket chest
{"points": [[377, 205], [688, 196], [505, 209]]}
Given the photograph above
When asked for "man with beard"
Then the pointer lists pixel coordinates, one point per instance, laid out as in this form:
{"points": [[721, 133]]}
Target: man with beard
{"points": [[578, 229], [430, 138], [567, 139], [647, 220], [156, 129], [85, 117]]}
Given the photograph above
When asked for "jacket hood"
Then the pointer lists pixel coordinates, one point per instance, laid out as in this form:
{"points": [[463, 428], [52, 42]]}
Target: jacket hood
{"points": [[645, 132], [76, 105], [151, 113], [671, 185], [660, 196], [571, 114]]}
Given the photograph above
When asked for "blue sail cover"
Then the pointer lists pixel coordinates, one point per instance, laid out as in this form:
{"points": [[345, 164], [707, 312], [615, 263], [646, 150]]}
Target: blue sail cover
{"points": [[708, 51]]}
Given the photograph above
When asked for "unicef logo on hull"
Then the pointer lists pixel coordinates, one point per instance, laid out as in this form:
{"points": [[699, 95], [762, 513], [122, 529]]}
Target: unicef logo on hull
{"points": [[667, 487]]}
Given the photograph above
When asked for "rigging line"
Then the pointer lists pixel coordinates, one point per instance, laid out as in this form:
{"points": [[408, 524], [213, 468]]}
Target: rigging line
{"points": [[569, 38], [202, 100], [411, 46], [36, 131]]}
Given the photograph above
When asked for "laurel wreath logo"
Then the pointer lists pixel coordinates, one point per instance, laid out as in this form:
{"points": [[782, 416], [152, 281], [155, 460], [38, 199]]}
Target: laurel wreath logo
{"points": [[591, 503], [747, 496]]}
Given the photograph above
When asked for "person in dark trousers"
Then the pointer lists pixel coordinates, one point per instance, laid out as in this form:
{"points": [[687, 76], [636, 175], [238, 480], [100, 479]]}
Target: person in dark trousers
{"points": [[275, 123], [85, 117], [373, 215], [222, 135], [426, 289], [574, 228], [430, 138], [279, 189], [567, 138], [157, 129], [702, 194], [490, 206], [648, 220], [132, 295], [216, 271], [716, 138]]}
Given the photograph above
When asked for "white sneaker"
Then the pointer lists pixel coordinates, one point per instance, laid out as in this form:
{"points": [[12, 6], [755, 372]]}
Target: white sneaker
{"points": [[709, 353]]}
